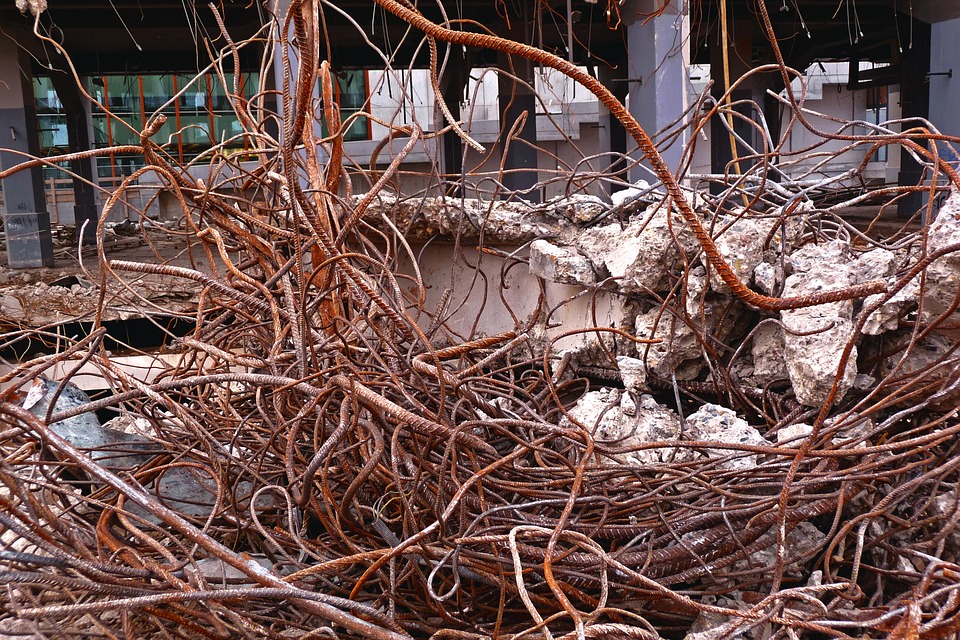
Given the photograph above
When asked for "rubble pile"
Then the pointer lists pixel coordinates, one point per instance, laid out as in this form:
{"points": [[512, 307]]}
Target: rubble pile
{"points": [[399, 417]]}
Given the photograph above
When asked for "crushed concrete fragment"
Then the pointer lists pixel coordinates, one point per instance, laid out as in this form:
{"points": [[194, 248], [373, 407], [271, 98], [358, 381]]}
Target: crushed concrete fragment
{"points": [[639, 255], [625, 196], [942, 281], [801, 543], [578, 208], [816, 257], [766, 350], [181, 488], [131, 424], [872, 266], [815, 337], [499, 222], [11, 308], [678, 352], [715, 626], [619, 421], [768, 278], [217, 574], [111, 448], [850, 430], [741, 243], [946, 506], [633, 373], [794, 434], [564, 265], [715, 423], [888, 315]]}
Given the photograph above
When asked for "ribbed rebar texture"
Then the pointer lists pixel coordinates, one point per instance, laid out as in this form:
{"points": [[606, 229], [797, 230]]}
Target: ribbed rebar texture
{"points": [[377, 427]]}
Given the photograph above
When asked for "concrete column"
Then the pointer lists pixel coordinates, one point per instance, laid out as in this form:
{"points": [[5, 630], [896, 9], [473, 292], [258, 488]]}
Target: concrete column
{"points": [[85, 208], [26, 221], [613, 137], [452, 83], [659, 68], [914, 103], [519, 153]]}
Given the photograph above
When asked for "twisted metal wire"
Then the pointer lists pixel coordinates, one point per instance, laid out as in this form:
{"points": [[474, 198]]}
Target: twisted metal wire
{"points": [[382, 469]]}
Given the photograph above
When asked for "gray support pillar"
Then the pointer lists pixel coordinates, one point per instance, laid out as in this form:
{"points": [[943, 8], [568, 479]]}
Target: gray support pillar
{"points": [[659, 51], [914, 103], [453, 83], [520, 152], [26, 221], [613, 136], [85, 208]]}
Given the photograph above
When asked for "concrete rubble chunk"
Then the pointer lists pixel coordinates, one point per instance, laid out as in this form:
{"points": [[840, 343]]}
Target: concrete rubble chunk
{"points": [[715, 423], [802, 542], [640, 255], [715, 626], [578, 208], [741, 243], [874, 265], [888, 315], [946, 506], [181, 488], [633, 373], [678, 353], [851, 429], [218, 574], [815, 337], [767, 277], [942, 285], [564, 265], [11, 308], [499, 222], [620, 420], [625, 196], [113, 449], [766, 350], [794, 434]]}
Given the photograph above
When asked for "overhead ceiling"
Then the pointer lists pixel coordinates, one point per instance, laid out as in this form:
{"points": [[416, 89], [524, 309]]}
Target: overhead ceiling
{"points": [[174, 35]]}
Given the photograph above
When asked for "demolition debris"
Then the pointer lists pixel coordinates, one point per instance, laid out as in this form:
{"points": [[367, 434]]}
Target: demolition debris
{"points": [[396, 416]]}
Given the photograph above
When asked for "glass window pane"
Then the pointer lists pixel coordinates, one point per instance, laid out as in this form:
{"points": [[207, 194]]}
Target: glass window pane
{"points": [[47, 100], [157, 90]]}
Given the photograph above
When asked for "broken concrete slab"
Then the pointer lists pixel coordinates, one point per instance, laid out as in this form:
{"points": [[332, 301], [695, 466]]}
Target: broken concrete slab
{"points": [[113, 449], [578, 208], [182, 487], [766, 350], [509, 223], [678, 352], [622, 421], [715, 423], [815, 337], [641, 254], [942, 283], [563, 265], [740, 240]]}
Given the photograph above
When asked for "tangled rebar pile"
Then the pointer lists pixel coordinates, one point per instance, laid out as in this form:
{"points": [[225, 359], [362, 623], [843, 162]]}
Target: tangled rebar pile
{"points": [[374, 473]]}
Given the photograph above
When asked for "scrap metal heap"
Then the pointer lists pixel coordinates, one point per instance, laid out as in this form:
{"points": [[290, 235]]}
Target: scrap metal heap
{"points": [[334, 456]]}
